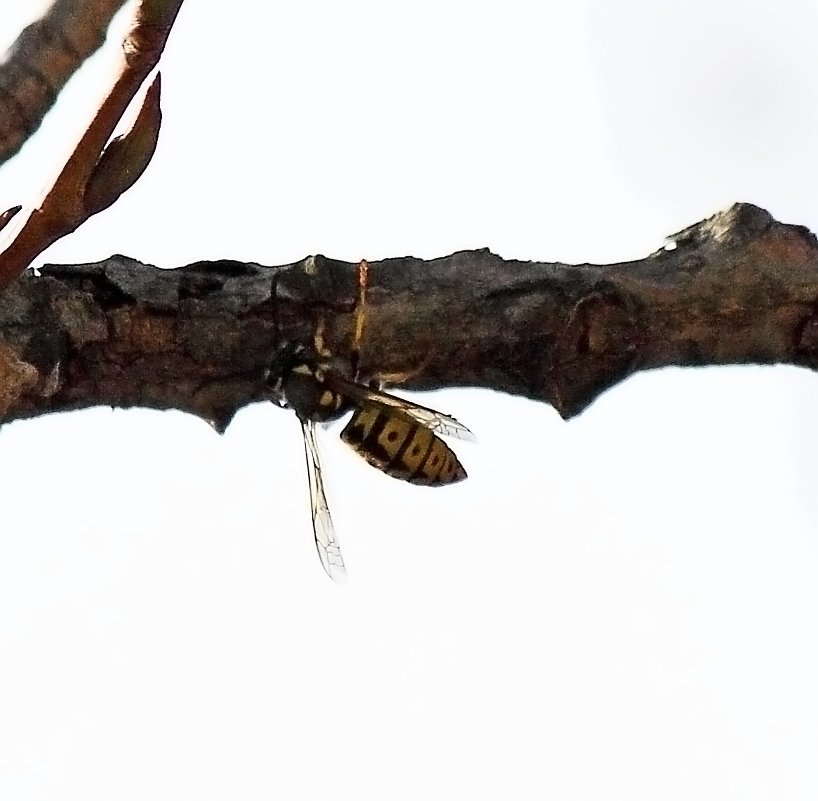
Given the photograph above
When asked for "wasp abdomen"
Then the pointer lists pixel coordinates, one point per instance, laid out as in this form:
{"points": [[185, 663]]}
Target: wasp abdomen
{"points": [[401, 447]]}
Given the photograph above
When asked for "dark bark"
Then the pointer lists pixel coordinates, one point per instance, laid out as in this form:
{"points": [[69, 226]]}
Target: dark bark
{"points": [[737, 288]]}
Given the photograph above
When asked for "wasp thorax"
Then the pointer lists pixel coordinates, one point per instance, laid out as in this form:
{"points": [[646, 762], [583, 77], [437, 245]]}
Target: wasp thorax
{"points": [[307, 393]]}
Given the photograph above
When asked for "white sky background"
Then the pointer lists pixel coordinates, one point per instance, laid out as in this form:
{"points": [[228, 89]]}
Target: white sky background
{"points": [[619, 607]]}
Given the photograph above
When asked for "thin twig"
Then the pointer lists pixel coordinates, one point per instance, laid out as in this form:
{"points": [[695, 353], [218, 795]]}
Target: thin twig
{"points": [[64, 208], [42, 59]]}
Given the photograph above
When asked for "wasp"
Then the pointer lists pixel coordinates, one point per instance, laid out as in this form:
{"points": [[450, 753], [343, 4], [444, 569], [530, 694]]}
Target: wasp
{"points": [[395, 435]]}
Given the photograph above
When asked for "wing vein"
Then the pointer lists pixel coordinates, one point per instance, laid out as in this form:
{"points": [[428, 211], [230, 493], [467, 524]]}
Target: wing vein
{"points": [[326, 541]]}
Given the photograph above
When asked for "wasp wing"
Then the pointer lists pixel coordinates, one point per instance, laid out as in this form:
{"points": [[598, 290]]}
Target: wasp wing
{"points": [[325, 540], [435, 421]]}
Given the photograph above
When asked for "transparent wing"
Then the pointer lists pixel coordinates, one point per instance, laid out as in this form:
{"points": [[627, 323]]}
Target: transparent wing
{"points": [[325, 540], [435, 421]]}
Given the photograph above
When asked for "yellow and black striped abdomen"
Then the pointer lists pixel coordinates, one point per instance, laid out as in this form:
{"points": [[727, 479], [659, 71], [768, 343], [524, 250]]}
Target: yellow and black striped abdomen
{"points": [[394, 442]]}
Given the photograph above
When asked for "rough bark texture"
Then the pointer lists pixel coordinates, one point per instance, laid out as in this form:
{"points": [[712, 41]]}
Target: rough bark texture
{"points": [[737, 288]]}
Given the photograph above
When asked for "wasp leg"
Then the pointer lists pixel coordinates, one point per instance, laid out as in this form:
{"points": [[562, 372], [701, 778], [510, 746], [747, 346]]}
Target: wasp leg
{"points": [[360, 318], [396, 379]]}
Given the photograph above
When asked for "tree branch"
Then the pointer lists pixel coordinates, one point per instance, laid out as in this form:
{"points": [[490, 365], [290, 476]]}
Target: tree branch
{"points": [[736, 288], [42, 59], [95, 175]]}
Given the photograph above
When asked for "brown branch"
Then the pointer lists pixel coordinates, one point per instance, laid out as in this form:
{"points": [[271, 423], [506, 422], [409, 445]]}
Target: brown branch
{"points": [[67, 204], [37, 66], [737, 288]]}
